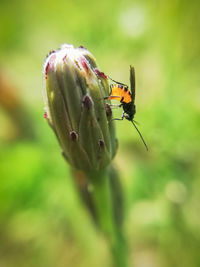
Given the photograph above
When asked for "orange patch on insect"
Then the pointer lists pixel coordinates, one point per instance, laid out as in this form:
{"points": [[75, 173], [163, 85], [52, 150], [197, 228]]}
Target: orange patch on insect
{"points": [[118, 92]]}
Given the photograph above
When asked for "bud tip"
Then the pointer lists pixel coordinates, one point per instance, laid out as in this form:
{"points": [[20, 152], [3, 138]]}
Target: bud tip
{"points": [[45, 115], [101, 143], [84, 63], [100, 74], [82, 47], [49, 64], [87, 102], [74, 136]]}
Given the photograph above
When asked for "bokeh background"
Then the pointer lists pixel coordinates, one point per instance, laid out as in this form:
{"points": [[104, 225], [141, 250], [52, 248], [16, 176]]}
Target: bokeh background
{"points": [[42, 220]]}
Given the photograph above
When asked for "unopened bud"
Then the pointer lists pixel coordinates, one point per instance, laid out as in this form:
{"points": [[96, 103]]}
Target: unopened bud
{"points": [[75, 109]]}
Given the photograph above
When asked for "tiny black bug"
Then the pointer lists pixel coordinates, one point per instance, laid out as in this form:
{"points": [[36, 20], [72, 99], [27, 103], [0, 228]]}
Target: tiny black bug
{"points": [[121, 92]]}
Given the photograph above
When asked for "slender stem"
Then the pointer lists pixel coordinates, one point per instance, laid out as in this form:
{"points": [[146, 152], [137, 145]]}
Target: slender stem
{"points": [[104, 208]]}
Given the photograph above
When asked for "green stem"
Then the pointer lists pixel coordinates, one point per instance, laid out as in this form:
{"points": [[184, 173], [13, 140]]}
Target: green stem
{"points": [[104, 208]]}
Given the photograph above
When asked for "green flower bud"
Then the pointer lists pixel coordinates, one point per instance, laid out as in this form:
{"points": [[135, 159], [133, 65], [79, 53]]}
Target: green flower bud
{"points": [[75, 108]]}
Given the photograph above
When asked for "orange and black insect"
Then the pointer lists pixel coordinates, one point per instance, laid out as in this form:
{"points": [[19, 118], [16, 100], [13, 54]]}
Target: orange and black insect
{"points": [[121, 92]]}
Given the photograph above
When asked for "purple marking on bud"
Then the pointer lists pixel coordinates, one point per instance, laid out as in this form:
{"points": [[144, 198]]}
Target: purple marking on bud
{"points": [[46, 70], [101, 143], [50, 64], [108, 110], [51, 52], [64, 58], [87, 102], [84, 63], [100, 74], [82, 47], [45, 115], [74, 136]]}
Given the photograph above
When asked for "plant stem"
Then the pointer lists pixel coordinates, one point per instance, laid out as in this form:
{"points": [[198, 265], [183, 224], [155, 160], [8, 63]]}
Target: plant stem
{"points": [[102, 197]]}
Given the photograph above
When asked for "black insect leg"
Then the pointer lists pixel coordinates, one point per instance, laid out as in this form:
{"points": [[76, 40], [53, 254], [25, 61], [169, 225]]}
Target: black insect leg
{"points": [[115, 106], [116, 119], [107, 97]]}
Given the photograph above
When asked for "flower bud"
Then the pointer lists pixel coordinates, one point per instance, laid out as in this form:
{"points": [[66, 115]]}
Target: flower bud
{"points": [[75, 108]]}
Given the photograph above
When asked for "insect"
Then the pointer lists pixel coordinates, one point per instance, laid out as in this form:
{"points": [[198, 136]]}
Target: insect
{"points": [[121, 92]]}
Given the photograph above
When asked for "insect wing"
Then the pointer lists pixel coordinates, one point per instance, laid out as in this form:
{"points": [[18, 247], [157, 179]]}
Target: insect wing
{"points": [[132, 82]]}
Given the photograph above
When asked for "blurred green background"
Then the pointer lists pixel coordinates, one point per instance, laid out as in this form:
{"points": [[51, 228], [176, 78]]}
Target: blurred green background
{"points": [[42, 220]]}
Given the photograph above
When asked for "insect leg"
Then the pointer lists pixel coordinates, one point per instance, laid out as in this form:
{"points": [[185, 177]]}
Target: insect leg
{"points": [[136, 122], [115, 106], [116, 119], [111, 97]]}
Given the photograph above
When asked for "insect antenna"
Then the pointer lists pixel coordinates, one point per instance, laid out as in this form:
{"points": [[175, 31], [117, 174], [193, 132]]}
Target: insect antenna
{"points": [[117, 82], [136, 122], [140, 135]]}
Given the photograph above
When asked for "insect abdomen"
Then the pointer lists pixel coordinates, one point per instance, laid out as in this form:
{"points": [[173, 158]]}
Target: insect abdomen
{"points": [[120, 93]]}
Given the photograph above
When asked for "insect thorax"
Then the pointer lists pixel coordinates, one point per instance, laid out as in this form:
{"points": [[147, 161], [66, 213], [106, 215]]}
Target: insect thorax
{"points": [[129, 109]]}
